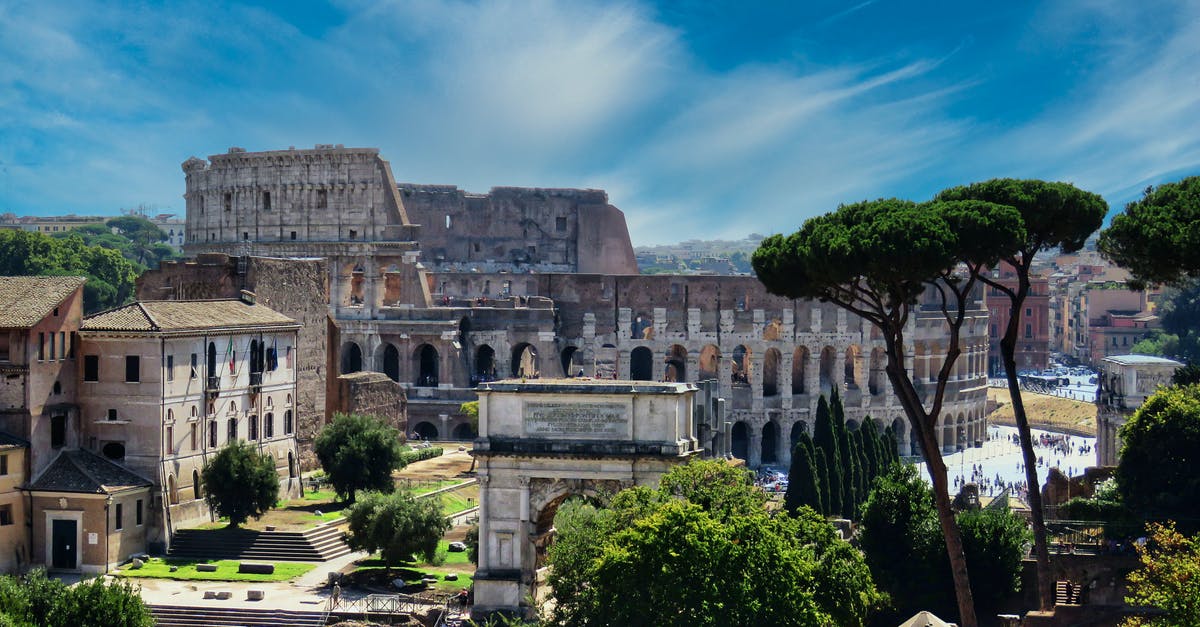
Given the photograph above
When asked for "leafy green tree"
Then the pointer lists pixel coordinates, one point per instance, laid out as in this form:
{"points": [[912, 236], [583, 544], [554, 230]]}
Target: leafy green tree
{"points": [[1169, 579], [1056, 216], [695, 552], [397, 525], [34, 600], [1157, 238], [1187, 375], [358, 452], [887, 261], [1156, 473], [110, 277], [905, 550], [240, 483]]}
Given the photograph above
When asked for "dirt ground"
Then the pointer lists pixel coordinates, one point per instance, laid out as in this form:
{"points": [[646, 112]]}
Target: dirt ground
{"points": [[452, 464], [1046, 412]]}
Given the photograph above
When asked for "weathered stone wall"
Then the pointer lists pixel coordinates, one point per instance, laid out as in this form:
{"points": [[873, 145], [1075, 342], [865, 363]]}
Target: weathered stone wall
{"points": [[373, 394], [563, 230], [297, 288], [325, 194]]}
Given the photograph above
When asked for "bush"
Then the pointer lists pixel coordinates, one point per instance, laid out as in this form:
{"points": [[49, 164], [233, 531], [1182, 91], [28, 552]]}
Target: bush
{"points": [[409, 457], [34, 600], [396, 525]]}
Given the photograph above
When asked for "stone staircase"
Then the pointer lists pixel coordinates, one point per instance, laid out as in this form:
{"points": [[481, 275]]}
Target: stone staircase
{"points": [[1066, 593], [318, 544], [180, 616]]}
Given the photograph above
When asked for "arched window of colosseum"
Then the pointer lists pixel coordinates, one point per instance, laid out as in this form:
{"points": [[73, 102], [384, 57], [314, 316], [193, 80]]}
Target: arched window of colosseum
{"points": [[389, 361], [799, 428], [850, 368], [567, 357], [485, 364], [425, 362], [525, 361], [710, 362], [739, 376], [800, 370], [770, 383], [351, 358], [642, 327], [739, 440], [877, 380], [827, 369], [641, 364], [770, 443], [676, 364], [357, 279]]}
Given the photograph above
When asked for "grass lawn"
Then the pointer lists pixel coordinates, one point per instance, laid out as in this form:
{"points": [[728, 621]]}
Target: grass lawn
{"points": [[295, 515], [227, 570], [418, 487], [461, 499], [412, 572]]}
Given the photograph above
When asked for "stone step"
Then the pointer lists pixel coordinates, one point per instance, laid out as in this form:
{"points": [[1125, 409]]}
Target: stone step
{"points": [[190, 616], [314, 545]]}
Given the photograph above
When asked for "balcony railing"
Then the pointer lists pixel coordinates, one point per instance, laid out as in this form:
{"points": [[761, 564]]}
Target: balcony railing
{"points": [[212, 384]]}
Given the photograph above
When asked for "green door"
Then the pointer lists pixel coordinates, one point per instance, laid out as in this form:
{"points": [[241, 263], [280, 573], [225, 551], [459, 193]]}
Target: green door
{"points": [[63, 545]]}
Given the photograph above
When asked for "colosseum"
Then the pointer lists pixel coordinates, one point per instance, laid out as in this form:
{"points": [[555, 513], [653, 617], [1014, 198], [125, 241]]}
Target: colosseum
{"points": [[441, 289]]}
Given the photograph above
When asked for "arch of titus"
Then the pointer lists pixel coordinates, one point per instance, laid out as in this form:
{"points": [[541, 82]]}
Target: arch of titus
{"points": [[542, 441]]}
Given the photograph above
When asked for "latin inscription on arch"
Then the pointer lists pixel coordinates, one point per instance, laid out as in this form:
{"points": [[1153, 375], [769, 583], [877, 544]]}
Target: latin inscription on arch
{"points": [[594, 420]]}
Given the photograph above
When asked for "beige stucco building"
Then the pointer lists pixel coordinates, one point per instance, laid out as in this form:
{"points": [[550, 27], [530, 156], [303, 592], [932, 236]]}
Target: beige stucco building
{"points": [[166, 384]]}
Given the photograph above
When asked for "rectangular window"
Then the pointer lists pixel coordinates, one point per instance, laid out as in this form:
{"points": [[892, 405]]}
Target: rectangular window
{"points": [[266, 201], [58, 431], [4, 464], [118, 517], [1029, 330], [91, 367], [170, 439], [133, 368], [62, 345], [6, 517], [293, 235], [137, 513], [192, 436], [232, 435], [212, 434], [1028, 311], [170, 367], [353, 234], [74, 341], [112, 414], [322, 199], [195, 363], [560, 224], [51, 346], [41, 346], [228, 201]]}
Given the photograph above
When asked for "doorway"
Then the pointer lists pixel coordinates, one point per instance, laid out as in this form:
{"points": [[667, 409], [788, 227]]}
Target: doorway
{"points": [[64, 548]]}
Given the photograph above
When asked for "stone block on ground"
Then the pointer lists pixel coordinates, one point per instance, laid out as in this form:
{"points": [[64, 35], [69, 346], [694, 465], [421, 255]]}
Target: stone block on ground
{"points": [[254, 568], [255, 595], [206, 568], [136, 563]]}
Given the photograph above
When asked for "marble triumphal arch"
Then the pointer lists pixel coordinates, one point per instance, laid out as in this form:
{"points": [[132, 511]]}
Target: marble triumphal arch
{"points": [[543, 441]]}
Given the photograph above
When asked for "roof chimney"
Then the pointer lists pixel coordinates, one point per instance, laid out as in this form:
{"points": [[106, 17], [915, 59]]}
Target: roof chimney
{"points": [[248, 297]]}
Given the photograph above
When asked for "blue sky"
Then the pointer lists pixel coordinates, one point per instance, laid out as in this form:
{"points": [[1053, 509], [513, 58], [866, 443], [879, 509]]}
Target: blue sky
{"points": [[700, 119]]}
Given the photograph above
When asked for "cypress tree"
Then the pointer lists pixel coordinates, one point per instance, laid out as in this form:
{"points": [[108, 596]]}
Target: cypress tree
{"points": [[842, 442], [802, 481], [825, 438], [822, 480], [821, 485], [871, 448], [864, 485]]}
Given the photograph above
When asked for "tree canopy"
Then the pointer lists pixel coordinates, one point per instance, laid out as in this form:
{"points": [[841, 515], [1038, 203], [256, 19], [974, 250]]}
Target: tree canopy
{"points": [[1157, 238], [359, 452], [34, 600], [879, 259], [702, 550], [1160, 451], [240, 483], [1169, 579], [110, 277], [905, 551], [397, 525]]}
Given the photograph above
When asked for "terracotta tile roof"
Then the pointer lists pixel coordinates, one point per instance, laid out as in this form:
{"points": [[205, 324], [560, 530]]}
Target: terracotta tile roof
{"points": [[84, 471], [24, 300], [185, 315]]}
